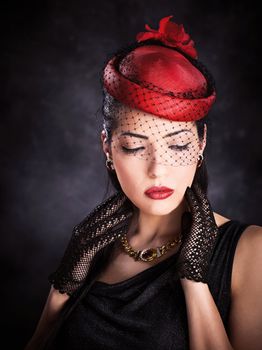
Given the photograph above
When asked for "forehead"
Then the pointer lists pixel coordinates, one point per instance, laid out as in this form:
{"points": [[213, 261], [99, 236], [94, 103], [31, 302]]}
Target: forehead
{"points": [[130, 119]]}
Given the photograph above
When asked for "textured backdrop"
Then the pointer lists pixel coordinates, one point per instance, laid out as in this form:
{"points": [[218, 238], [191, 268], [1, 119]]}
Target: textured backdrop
{"points": [[53, 170]]}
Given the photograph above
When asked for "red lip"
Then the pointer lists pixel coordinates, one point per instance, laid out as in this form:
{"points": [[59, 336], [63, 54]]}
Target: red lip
{"points": [[158, 189], [159, 192]]}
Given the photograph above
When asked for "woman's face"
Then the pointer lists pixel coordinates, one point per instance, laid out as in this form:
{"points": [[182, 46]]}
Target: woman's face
{"points": [[151, 158]]}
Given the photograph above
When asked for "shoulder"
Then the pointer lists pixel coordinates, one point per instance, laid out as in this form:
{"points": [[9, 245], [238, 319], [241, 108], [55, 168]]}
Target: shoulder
{"points": [[245, 317], [248, 256]]}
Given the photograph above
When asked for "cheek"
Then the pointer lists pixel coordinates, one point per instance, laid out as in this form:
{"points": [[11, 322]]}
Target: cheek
{"points": [[182, 177], [185, 175], [129, 173]]}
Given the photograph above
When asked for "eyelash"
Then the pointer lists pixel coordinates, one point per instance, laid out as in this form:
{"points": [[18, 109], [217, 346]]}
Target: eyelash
{"points": [[134, 150]]}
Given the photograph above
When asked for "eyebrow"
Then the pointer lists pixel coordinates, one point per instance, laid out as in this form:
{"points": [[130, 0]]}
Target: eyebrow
{"points": [[128, 133]]}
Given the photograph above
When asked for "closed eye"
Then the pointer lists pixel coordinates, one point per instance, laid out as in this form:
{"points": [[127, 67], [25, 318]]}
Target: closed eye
{"points": [[173, 147], [180, 147], [132, 150]]}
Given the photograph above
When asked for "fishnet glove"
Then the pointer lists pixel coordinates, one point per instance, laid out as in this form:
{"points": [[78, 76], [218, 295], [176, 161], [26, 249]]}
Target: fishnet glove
{"points": [[102, 226], [199, 237]]}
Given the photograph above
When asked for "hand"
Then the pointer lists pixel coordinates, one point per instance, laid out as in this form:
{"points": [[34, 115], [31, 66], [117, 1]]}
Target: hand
{"points": [[199, 236], [103, 225]]}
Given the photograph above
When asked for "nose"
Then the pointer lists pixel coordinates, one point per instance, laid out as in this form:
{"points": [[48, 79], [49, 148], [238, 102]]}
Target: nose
{"points": [[156, 167]]}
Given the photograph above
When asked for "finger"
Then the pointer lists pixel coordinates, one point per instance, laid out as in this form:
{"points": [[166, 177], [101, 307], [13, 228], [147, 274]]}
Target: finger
{"points": [[116, 220], [208, 224], [104, 209], [206, 206], [112, 215], [99, 208], [191, 199], [199, 217], [203, 202], [101, 241], [186, 226], [111, 233], [194, 204], [202, 197], [110, 205], [95, 219], [111, 222], [117, 202]]}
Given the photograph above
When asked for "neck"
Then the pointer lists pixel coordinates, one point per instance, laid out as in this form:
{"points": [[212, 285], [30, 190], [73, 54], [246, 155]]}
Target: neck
{"points": [[156, 229]]}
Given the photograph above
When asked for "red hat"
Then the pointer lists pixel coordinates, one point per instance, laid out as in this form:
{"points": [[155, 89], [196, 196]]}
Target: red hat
{"points": [[161, 80]]}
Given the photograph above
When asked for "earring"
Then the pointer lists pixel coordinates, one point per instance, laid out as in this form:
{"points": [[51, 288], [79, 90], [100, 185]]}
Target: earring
{"points": [[109, 162], [200, 160]]}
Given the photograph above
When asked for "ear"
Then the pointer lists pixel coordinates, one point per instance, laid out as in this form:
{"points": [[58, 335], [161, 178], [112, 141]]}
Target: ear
{"points": [[202, 144], [104, 142]]}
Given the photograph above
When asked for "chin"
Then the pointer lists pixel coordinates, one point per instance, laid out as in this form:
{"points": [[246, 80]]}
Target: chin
{"points": [[158, 212], [157, 208]]}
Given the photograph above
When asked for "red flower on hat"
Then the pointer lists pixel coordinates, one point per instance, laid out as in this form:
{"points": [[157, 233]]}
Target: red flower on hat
{"points": [[171, 34]]}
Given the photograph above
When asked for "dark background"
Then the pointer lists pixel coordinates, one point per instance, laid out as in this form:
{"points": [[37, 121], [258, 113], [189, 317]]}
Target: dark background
{"points": [[53, 170]]}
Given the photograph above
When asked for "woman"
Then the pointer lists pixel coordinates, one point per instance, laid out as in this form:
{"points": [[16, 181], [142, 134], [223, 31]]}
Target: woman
{"points": [[153, 266]]}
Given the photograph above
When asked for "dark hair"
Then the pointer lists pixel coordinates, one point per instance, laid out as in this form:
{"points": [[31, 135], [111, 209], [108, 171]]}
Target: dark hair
{"points": [[110, 104]]}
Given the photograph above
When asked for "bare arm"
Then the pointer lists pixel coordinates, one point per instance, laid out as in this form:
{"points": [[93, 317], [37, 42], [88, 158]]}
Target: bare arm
{"points": [[245, 319], [53, 306], [206, 329]]}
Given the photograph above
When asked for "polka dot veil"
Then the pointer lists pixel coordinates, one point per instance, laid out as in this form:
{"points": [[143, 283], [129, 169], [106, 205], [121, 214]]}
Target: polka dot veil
{"points": [[155, 92]]}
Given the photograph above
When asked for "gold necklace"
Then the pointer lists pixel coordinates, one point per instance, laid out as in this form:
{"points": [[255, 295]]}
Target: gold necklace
{"points": [[150, 253]]}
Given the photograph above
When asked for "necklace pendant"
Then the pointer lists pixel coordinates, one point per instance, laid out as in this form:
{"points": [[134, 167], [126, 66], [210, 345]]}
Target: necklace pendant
{"points": [[148, 254], [158, 252]]}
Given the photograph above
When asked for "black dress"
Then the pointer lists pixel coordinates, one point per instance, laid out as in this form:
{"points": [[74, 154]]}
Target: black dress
{"points": [[148, 310]]}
